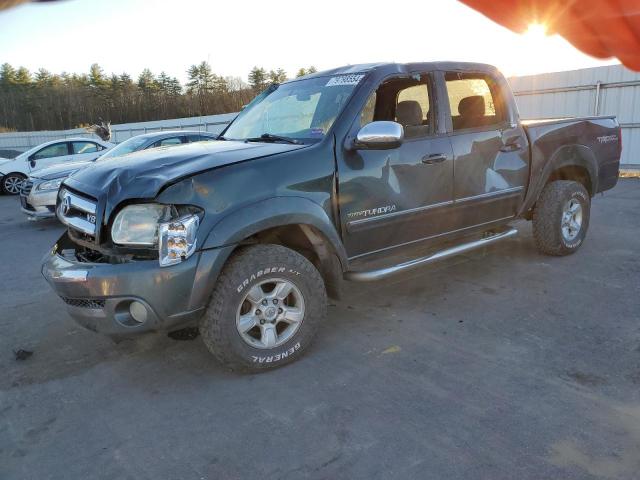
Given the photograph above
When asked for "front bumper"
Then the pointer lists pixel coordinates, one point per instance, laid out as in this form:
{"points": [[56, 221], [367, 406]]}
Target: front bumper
{"points": [[39, 204], [99, 295]]}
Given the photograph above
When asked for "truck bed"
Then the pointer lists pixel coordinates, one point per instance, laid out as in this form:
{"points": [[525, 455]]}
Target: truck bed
{"points": [[594, 142]]}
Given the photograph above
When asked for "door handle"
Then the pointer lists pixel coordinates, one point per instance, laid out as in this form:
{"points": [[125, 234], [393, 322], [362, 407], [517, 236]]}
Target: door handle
{"points": [[434, 158], [510, 147]]}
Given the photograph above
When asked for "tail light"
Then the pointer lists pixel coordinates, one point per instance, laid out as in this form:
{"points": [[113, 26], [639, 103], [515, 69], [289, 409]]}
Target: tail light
{"points": [[620, 139]]}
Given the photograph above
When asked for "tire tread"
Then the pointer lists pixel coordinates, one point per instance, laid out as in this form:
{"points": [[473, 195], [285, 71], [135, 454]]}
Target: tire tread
{"points": [[210, 324], [546, 233]]}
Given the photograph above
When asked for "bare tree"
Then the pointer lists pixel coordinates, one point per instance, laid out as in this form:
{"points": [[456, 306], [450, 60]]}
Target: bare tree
{"points": [[102, 130]]}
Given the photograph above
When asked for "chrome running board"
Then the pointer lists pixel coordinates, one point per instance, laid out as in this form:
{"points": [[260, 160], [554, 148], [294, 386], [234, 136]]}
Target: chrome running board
{"points": [[371, 275]]}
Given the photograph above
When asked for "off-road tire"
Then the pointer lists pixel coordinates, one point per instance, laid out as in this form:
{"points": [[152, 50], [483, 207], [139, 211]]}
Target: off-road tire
{"points": [[8, 178], [548, 214], [246, 268]]}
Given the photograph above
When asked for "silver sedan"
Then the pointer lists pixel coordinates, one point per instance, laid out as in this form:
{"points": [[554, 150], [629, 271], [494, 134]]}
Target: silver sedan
{"points": [[39, 192]]}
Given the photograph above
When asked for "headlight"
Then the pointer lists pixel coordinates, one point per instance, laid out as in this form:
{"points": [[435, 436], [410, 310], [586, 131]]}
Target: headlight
{"points": [[50, 185], [152, 225], [177, 239], [138, 224]]}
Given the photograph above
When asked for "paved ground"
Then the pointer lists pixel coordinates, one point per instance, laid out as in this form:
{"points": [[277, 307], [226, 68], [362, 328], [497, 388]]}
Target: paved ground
{"points": [[505, 365]]}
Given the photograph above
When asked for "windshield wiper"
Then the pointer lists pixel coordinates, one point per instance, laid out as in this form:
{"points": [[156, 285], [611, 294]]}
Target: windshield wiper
{"points": [[268, 137]]}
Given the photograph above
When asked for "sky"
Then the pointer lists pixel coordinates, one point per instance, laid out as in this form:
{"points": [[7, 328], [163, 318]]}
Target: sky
{"points": [[164, 35]]}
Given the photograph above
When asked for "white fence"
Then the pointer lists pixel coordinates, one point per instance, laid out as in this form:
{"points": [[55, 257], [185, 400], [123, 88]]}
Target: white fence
{"points": [[22, 141]]}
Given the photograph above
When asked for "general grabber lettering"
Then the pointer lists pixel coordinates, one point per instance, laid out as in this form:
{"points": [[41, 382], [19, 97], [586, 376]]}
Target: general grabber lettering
{"points": [[279, 356], [258, 274]]}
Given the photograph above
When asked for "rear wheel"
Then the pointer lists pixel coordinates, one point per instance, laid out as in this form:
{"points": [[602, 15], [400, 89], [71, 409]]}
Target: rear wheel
{"points": [[12, 182], [561, 217], [265, 309]]}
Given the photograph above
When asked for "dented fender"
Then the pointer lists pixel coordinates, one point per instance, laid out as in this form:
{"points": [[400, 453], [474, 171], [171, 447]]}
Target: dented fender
{"points": [[273, 212]]}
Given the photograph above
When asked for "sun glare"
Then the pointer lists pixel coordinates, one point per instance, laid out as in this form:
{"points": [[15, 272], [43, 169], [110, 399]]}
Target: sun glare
{"points": [[529, 53], [536, 31]]}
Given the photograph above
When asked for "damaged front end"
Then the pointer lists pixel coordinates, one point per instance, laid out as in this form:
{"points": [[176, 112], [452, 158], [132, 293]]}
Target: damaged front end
{"points": [[135, 273]]}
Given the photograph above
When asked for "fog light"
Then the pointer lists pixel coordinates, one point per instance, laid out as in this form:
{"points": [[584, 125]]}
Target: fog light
{"points": [[138, 311]]}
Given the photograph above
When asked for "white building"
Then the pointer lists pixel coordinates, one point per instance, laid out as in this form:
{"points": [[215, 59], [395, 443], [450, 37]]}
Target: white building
{"points": [[610, 90]]}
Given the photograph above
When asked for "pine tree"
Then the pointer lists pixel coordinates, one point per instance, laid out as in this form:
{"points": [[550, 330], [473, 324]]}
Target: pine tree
{"points": [[146, 82], [258, 78], [7, 74], [96, 76], [201, 79], [277, 76]]}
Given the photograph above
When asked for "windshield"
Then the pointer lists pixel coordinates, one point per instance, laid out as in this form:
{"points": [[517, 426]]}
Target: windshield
{"points": [[131, 145], [303, 110]]}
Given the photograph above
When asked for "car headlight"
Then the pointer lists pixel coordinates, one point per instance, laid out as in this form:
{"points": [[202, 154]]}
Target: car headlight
{"points": [[158, 225], [50, 184], [138, 224]]}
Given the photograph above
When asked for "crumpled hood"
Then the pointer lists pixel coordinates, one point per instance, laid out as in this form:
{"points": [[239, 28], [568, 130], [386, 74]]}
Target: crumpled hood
{"points": [[60, 170], [143, 174]]}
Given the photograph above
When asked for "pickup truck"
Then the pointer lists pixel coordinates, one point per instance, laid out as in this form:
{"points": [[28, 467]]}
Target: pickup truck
{"points": [[356, 173]]}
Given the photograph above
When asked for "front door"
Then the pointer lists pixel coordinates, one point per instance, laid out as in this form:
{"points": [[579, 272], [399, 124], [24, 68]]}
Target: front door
{"points": [[491, 156], [391, 198], [50, 155]]}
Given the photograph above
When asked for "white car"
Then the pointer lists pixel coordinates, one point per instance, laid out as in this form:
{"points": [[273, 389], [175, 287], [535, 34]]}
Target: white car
{"points": [[14, 172]]}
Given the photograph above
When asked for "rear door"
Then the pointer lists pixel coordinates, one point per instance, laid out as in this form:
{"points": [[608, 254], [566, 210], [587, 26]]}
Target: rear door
{"points": [[491, 155], [391, 198]]}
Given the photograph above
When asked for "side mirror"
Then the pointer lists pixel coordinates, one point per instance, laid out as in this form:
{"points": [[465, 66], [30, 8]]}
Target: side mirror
{"points": [[380, 135]]}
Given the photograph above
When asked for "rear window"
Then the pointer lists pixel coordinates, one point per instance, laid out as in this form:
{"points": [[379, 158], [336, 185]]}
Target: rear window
{"points": [[84, 147]]}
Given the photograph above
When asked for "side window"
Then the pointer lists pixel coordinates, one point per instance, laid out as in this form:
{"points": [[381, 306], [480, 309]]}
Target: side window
{"points": [[198, 138], [417, 95], [412, 110], [403, 100], [55, 150], [168, 141], [473, 101], [84, 147]]}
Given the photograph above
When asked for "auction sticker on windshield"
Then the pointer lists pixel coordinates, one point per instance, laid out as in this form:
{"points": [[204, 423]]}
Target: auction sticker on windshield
{"points": [[344, 80]]}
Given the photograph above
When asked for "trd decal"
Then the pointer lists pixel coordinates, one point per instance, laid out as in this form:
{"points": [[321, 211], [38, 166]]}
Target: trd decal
{"points": [[607, 138]]}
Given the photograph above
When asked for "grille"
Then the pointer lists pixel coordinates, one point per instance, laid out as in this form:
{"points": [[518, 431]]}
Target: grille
{"points": [[83, 302], [77, 212], [25, 190]]}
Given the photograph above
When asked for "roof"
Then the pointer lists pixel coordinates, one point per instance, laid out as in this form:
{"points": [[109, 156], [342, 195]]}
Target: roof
{"points": [[170, 133], [73, 139], [391, 67]]}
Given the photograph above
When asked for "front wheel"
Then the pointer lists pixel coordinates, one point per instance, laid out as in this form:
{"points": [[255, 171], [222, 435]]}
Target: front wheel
{"points": [[265, 309], [12, 183], [561, 217]]}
